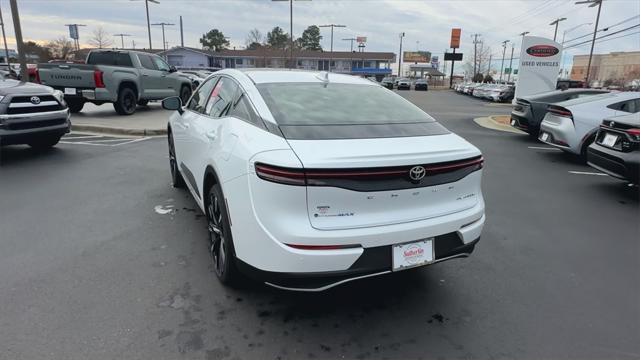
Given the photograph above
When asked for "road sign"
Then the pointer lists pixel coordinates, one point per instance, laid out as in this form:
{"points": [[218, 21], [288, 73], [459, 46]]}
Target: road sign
{"points": [[453, 56], [455, 38]]}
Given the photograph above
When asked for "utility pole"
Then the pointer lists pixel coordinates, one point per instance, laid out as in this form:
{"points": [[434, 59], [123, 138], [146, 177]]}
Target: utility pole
{"points": [[595, 31], [489, 65], [121, 39], [510, 65], [133, 44], [181, 33], [475, 53], [4, 37], [332, 26], [555, 22], [163, 24], [352, 40], [400, 56], [480, 57], [504, 49], [15, 14]]}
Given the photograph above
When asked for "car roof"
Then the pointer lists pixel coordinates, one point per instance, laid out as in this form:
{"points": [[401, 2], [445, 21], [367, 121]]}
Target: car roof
{"points": [[612, 96], [261, 76]]}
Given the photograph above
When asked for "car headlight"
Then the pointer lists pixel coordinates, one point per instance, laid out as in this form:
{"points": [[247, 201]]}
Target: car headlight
{"points": [[59, 95]]}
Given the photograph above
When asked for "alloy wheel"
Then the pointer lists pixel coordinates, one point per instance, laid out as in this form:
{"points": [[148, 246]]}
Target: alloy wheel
{"points": [[217, 241]]}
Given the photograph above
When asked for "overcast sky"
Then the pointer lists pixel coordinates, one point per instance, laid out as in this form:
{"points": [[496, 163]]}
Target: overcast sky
{"points": [[426, 22]]}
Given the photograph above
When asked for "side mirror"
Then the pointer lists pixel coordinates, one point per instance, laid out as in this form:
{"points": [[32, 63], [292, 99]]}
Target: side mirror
{"points": [[172, 103], [172, 69]]}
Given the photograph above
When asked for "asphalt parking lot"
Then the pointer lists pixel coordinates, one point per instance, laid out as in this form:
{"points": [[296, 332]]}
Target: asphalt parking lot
{"points": [[100, 259]]}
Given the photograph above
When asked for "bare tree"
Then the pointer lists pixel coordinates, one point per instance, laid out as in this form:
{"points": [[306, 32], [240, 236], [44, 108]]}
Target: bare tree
{"points": [[60, 47], [101, 39], [254, 37]]}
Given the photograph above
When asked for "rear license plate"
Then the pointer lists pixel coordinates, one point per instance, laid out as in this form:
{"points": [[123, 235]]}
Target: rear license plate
{"points": [[70, 91], [412, 254], [609, 140], [513, 122], [544, 137]]}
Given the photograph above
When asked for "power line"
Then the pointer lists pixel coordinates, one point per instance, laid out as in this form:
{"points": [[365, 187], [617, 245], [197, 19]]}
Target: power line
{"points": [[605, 28], [604, 36]]}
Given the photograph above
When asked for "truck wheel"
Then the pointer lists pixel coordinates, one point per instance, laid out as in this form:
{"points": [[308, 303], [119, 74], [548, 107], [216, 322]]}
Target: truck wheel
{"points": [[126, 104], [75, 106], [143, 102], [44, 142], [185, 93]]}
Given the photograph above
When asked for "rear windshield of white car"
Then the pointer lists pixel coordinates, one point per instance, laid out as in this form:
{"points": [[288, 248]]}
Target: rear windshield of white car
{"points": [[338, 104]]}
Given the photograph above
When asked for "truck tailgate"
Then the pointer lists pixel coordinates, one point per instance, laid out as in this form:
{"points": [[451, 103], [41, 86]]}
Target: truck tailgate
{"points": [[67, 75]]}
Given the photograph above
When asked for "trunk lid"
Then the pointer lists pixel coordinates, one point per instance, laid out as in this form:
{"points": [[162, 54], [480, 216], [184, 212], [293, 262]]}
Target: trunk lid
{"points": [[366, 182]]}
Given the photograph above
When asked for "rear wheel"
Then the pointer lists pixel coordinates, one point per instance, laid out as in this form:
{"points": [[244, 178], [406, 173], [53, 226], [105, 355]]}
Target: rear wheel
{"points": [[126, 103], [75, 106], [220, 240], [185, 93], [585, 147], [44, 142], [177, 181]]}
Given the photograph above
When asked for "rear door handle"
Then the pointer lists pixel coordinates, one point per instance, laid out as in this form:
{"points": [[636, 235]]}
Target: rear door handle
{"points": [[211, 135]]}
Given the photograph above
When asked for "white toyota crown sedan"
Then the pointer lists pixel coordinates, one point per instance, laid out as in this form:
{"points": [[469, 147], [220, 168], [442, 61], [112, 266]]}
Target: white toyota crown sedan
{"points": [[311, 179]]}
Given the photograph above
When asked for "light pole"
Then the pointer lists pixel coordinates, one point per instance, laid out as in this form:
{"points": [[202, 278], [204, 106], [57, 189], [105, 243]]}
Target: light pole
{"points": [[352, 40], [595, 31], [504, 50], [19, 44], [563, 37], [121, 38], [163, 24], [4, 37], [290, 31], [400, 56], [510, 64], [146, 5], [556, 22], [332, 26]]}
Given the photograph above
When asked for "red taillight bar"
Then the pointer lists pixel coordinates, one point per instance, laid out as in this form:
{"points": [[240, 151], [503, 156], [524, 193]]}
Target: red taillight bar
{"points": [[634, 132], [98, 79], [479, 161], [560, 111], [281, 175]]}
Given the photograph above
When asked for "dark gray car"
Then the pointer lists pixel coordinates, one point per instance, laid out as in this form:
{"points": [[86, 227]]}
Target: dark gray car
{"points": [[31, 114], [528, 112]]}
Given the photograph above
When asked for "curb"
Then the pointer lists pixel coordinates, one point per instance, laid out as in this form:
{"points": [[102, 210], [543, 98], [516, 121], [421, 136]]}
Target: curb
{"points": [[489, 123], [117, 131]]}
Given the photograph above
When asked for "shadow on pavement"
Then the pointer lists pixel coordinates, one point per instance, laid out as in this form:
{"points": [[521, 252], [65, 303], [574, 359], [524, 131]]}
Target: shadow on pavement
{"points": [[14, 154]]}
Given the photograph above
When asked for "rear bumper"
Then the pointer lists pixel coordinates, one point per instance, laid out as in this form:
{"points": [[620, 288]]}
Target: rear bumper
{"points": [[19, 129], [625, 166], [522, 123], [373, 262], [561, 135]]}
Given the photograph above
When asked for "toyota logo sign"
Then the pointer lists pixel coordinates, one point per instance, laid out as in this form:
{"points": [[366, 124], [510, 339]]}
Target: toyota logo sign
{"points": [[35, 100], [417, 173]]}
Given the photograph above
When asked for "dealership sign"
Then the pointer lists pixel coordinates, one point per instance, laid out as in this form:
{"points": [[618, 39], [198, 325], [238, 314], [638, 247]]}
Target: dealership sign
{"points": [[416, 56], [539, 65]]}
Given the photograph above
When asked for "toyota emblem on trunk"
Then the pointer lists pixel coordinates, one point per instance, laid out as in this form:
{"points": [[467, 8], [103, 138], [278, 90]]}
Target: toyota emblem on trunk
{"points": [[417, 173], [35, 100]]}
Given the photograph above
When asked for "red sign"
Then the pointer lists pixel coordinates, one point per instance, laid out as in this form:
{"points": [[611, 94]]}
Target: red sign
{"points": [[455, 38], [542, 50]]}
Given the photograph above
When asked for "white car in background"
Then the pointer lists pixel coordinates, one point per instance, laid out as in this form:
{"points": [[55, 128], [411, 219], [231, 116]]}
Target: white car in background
{"points": [[310, 180], [572, 125]]}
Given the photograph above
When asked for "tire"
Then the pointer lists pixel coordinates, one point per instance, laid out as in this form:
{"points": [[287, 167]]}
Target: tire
{"points": [[75, 106], [143, 102], [126, 103], [220, 239], [177, 181], [533, 134], [185, 94], [44, 142]]}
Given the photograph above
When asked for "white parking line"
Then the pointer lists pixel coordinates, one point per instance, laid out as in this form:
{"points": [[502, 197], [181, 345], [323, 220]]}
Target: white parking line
{"points": [[587, 173], [83, 136], [543, 148]]}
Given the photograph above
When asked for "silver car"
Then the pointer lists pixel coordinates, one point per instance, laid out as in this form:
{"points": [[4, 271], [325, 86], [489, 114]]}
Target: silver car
{"points": [[572, 125]]}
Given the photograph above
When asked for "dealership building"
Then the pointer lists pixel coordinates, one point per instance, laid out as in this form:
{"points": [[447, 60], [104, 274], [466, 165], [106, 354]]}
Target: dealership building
{"points": [[376, 64], [613, 66]]}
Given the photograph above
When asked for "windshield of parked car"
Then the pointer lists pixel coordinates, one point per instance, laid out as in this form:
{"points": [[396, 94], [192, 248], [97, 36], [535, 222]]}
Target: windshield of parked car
{"points": [[337, 104]]}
